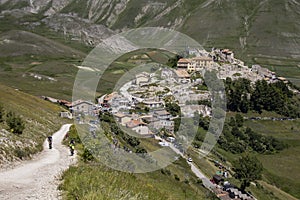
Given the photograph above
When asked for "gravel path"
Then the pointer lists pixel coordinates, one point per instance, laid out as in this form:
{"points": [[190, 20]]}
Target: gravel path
{"points": [[38, 178]]}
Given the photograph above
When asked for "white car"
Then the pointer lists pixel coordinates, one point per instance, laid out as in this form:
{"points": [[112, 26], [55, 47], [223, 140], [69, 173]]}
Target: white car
{"points": [[190, 160]]}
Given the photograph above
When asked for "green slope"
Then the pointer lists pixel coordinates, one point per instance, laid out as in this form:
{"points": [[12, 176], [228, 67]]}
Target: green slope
{"points": [[18, 43], [24, 55], [41, 119]]}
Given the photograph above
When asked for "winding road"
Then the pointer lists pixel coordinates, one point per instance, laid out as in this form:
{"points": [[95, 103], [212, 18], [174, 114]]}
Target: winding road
{"points": [[38, 178]]}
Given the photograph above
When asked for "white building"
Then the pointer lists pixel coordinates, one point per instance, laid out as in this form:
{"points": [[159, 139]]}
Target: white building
{"points": [[202, 62], [167, 124], [142, 78], [80, 106], [153, 104], [138, 126], [122, 118]]}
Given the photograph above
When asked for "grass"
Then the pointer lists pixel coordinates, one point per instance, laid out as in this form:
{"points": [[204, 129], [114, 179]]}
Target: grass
{"points": [[203, 163], [285, 173], [280, 169], [36, 54], [280, 175], [90, 180], [19, 76], [283, 130], [287, 68], [41, 119]]}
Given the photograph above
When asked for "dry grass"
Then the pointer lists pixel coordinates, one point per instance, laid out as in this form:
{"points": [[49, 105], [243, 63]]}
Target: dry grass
{"points": [[41, 119]]}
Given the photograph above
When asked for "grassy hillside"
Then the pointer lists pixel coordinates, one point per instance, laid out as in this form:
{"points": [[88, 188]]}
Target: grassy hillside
{"points": [[17, 43], [37, 65], [41, 119], [280, 175], [91, 179], [88, 181], [282, 168], [264, 32]]}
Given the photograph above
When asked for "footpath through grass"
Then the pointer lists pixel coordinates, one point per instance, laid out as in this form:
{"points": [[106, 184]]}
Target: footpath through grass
{"points": [[41, 119]]}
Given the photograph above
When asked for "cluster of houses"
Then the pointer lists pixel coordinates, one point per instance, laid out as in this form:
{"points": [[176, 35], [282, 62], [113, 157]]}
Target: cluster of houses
{"points": [[226, 65], [147, 124], [140, 104]]}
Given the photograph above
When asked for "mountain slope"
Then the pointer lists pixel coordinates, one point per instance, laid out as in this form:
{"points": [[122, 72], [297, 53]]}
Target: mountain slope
{"points": [[258, 31], [17, 43], [40, 117]]}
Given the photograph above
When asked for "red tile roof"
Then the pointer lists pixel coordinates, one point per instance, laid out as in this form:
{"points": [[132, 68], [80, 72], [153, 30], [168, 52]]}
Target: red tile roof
{"points": [[134, 123]]}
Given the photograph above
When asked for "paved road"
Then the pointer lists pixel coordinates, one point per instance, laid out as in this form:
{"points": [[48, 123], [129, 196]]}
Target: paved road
{"points": [[206, 181], [38, 178]]}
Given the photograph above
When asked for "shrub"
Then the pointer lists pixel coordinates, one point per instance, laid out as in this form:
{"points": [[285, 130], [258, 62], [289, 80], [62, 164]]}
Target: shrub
{"points": [[186, 181], [15, 123], [87, 156], [176, 177], [165, 171], [20, 153], [199, 181]]}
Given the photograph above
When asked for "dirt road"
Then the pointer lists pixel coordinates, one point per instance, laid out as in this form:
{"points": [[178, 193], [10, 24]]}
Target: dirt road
{"points": [[38, 178]]}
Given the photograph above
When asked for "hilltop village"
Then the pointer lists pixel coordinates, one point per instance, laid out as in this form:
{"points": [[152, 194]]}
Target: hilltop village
{"points": [[150, 102]]}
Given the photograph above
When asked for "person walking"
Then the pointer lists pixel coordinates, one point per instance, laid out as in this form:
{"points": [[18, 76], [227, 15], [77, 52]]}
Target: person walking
{"points": [[50, 142], [72, 148]]}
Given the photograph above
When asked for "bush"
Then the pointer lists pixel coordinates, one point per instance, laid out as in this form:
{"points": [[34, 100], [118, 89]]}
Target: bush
{"points": [[73, 135], [87, 156], [21, 153], [15, 123], [165, 171], [199, 181], [176, 177]]}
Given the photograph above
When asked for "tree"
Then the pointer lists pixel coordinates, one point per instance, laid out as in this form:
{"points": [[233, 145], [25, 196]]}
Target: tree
{"points": [[204, 122], [247, 168], [173, 109], [15, 123], [237, 92], [172, 62], [239, 120], [232, 122]]}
